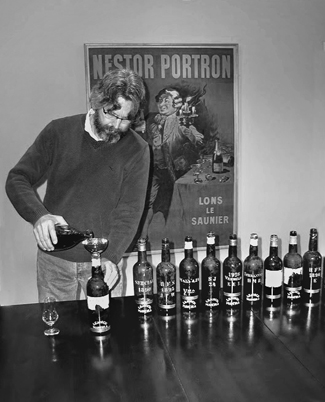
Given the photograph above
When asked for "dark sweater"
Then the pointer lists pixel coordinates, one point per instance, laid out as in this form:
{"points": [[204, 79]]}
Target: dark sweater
{"points": [[92, 184]]}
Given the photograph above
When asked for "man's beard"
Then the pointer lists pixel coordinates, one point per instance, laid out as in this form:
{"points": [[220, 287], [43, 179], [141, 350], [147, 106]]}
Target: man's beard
{"points": [[106, 132]]}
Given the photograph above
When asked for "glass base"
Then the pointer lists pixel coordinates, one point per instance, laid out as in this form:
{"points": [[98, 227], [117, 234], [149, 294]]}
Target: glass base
{"points": [[51, 331]]}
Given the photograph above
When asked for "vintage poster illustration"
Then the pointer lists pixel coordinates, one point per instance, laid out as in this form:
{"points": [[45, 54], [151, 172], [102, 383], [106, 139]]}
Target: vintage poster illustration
{"points": [[190, 123]]}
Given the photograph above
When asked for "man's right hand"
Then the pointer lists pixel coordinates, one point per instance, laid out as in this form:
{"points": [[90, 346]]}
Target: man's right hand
{"points": [[44, 231]]}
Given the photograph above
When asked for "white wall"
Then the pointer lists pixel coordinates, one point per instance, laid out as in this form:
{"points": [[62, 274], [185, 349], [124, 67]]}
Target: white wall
{"points": [[281, 102]]}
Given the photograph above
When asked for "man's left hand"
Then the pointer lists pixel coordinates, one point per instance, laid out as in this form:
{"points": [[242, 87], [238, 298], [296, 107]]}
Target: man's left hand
{"points": [[111, 272]]}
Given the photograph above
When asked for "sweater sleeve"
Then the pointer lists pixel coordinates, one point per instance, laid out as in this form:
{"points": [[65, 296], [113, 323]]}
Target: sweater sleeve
{"points": [[24, 178], [130, 207]]}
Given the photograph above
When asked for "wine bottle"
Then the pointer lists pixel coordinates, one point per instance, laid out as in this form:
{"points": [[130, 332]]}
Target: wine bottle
{"points": [[292, 271], [273, 277], [232, 276], [98, 298], [253, 273], [210, 275], [189, 277], [69, 237], [312, 262], [166, 281], [217, 159], [143, 280]]}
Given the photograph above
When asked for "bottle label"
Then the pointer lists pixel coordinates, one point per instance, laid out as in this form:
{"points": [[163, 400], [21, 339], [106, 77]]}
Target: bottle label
{"points": [[102, 301], [212, 302], [273, 279], [312, 283], [253, 286], [232, 299], [142, 287], [189, 292], [292, 278], [166, 294]]}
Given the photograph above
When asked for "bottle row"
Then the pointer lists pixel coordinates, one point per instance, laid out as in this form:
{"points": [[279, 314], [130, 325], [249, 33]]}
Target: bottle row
{"points": [[296, 278]]}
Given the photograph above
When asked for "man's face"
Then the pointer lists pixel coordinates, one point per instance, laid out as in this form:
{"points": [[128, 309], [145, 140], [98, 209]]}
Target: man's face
{"points": [[165, 103], [109, 124]]}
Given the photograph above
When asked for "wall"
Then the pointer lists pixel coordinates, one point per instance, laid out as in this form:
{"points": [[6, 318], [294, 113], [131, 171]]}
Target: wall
{"points": [[281, 103]]}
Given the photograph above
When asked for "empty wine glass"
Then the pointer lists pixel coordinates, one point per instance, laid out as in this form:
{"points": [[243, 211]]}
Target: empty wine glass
{"points": [[50, 316]]}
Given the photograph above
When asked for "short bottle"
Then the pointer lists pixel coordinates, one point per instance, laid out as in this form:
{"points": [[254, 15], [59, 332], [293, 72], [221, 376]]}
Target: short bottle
{"points": [[273, 277], [210, 266], [98, 298], [217, 159], [232, 276], [143, 280], [312, 267], [292, 271], [166, 281], [69, 237], [189, 278], [253, 274]]}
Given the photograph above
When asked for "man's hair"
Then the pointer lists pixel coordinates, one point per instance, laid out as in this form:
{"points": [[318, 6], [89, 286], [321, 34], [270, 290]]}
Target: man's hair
{"points": [[115, 83]]}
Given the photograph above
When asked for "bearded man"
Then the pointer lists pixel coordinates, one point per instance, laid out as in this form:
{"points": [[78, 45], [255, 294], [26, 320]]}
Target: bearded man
{"points": [[96, 169]]}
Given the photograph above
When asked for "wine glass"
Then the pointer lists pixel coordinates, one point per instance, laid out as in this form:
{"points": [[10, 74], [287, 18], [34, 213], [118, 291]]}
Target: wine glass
{"points": [[50, 316]]}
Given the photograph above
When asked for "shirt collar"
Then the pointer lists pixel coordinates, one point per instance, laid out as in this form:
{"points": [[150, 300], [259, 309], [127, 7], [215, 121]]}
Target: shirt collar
{"points": [[88, 126]]}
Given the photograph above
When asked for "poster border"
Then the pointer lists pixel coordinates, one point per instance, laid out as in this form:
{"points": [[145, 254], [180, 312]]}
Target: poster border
{"points": [[235, 47]]}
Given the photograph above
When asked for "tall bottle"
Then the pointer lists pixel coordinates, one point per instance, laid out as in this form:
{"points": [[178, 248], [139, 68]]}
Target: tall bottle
{"points": [[292, 271], [253, 274], [273, 277], [143, 280], [211, 275], [166, 281], [232, 276], [312, 266], [98, 298], [217, 160], [189, 278], [69, 237]]}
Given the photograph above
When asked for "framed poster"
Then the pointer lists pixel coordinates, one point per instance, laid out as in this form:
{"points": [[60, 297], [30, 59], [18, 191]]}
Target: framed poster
{"points": [[190, 123]]}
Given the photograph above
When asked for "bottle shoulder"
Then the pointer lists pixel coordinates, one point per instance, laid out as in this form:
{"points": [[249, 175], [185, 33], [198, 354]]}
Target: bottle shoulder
{"points": [[253, 263], [312, 256], [292, 260], [273, 263], [165, 266]]}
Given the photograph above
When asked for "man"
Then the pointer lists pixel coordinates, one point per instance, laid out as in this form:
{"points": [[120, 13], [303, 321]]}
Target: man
{"points": [[175, 148], [96, 168]]}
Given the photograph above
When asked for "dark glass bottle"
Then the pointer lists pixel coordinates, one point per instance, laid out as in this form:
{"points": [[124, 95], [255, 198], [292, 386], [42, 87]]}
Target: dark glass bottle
{"points": [[232, 276], [217, 160], [253, 274], [211, 275], [166, 281], [143, 280], [292, 271], [312, 263], [69, 237], [273, 277], [189, 277], [98, 298]]}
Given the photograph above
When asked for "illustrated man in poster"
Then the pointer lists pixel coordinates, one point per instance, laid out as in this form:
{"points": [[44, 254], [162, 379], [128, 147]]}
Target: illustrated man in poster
{"points": [[176, 140]]}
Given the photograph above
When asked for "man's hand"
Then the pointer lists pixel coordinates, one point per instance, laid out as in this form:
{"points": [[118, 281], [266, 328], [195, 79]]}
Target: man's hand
{"points": [[111, 272], [44, 231]]}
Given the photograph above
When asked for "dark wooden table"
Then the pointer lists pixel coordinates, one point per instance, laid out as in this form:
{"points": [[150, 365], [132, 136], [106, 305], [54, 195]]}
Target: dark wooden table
{"points": [[247, 357]]}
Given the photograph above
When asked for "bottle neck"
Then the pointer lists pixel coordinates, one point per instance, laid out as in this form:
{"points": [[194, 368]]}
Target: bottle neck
{"points": [[211, 250], [96, 269], [313, 243], [232, 251], [142, 256], [273, 251], [165, 254], [253, 250], [293, 247], [188, 249]]}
